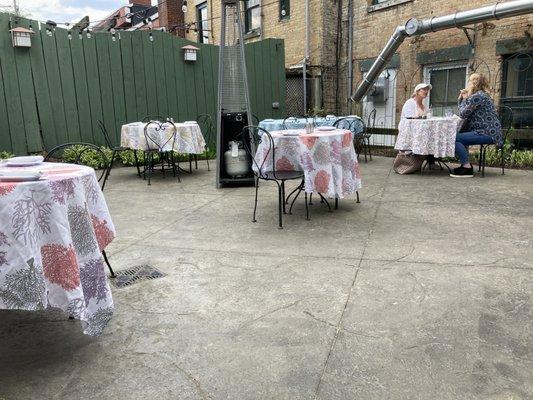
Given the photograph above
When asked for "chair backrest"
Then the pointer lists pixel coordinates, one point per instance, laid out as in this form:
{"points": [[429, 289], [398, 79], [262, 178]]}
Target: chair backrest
{"points": [[358, 125], [328, 120], [207, 127], [343, 123], [255, 120], [258, 163], [505, 113], [81, 153], [107, 138], [159, 118], [293, 122], [371, 120], [157, 138]]}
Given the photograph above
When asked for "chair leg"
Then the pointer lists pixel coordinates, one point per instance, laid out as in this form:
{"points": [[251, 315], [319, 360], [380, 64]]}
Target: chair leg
{"points": [[149, 157], [195, 161], [369, 149], [503, 161], [280, 206], [207, 159], [255, 202], [306, 206], [108, 264], [310, 199], [480, 158], [365, 149], [190, 163], [357, 193], [336, 203], [283, 195], [483, 162], [137, 163], [296, 196]]}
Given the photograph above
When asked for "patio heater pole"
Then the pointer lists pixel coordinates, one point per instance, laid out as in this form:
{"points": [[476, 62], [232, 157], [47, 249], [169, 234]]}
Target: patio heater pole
{"points": [[234, 111], [414, 27]]}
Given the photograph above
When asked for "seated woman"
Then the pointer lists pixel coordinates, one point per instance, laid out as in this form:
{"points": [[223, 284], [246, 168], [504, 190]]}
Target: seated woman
{"points": [[414, 107], [482, 125]]}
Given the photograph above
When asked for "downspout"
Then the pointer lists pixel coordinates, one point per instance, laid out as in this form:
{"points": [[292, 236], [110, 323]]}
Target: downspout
{"points": [[350, 54], [413, 27], [306, 56]]}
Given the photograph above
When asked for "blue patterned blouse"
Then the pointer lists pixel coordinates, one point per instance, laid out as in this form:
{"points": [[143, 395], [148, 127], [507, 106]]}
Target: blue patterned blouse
{"points": [[480, 115]]}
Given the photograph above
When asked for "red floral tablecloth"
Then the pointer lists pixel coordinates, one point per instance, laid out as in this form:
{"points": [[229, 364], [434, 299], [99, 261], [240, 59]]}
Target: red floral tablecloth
{"points": [[52, 232], [327, 158]]}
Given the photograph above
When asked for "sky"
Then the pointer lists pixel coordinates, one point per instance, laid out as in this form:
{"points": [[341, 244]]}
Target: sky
{"points": [[66, 10]]}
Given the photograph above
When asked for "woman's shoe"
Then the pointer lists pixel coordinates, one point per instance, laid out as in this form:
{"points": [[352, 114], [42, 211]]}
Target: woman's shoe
{"points": [[462, 172]]}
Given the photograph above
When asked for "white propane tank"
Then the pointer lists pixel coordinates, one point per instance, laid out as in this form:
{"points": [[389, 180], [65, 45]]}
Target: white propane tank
{"points": [[236, 160]]}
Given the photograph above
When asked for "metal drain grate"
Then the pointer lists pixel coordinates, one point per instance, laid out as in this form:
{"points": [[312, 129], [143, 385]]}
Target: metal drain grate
{"points": [[136, 274]]}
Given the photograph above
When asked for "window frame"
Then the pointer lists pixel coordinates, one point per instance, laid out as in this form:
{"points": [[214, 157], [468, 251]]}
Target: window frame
{"points": [[285, 4], [199, 22], [248, 17], [443, 66]]}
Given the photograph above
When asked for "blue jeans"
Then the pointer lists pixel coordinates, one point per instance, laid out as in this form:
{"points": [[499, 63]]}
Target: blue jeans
{"points": [[465, 139]]}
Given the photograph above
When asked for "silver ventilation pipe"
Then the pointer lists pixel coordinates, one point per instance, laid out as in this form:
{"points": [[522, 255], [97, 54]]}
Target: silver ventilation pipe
{"points": [[413, 27]]}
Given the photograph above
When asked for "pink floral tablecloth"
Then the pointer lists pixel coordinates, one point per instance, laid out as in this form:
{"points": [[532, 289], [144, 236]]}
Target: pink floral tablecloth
{"points": [[327, 159], [52, 232], [434, 136], [189, 138]]}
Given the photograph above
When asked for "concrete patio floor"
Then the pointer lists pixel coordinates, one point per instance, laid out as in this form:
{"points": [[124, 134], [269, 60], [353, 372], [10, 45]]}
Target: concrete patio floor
{"points": [[422, 291]]}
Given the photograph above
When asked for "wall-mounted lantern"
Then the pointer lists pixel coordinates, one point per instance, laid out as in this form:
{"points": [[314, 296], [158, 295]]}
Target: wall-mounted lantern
{"points": [[190, 52], [21, 37]]}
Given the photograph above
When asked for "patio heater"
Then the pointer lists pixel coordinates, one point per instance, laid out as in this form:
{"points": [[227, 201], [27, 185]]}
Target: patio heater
{"points": [[234, 111]]}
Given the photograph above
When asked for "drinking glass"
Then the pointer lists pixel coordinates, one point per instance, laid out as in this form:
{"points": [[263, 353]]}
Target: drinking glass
{"points": [[448, 112]]}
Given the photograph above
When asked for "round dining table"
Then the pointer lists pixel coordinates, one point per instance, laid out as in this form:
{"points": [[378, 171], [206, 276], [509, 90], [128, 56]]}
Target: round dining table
{"points": [[326, 156], [52, 233]]}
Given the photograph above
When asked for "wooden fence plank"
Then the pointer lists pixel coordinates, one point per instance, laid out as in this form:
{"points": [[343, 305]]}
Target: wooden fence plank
{"points": [[67, 85], [117, 83], [149, 75], [12, 90], [106, 88], [159, 74], [5, 137], [27, 96], [181, 94], [54, 85], [170, 77], [86, 125], [93, 83], [128, 76], [41, 88], [140, 79]]}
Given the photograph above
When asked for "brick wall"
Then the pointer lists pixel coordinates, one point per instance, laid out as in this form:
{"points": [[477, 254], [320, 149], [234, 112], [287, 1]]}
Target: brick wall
{"points": [[371, 31]]}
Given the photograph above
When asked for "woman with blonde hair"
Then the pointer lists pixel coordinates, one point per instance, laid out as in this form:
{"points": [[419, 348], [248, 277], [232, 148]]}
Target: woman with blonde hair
{"points": [[481, 126]]}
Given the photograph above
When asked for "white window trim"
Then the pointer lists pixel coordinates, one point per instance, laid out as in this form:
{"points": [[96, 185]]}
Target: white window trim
{"points": [[442, 66]]}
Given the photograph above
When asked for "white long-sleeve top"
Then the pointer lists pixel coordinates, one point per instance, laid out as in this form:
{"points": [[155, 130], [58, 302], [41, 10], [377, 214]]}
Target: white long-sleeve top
{"points": [[410, 109]]}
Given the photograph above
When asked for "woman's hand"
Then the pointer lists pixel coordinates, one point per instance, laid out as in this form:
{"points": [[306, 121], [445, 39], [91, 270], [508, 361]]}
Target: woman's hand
{"points": [[462, 94]]}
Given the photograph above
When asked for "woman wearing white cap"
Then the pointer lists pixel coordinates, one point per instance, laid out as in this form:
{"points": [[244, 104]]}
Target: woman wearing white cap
{"points": [[414, 107]]}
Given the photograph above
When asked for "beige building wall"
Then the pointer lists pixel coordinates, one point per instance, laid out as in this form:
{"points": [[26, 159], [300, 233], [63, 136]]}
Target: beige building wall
{"points": [[373, 26]]}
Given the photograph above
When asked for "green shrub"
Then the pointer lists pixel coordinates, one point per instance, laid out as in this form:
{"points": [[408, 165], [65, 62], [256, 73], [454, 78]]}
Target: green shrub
{"points": [[128, 158], [89, 157], [5, 154]]}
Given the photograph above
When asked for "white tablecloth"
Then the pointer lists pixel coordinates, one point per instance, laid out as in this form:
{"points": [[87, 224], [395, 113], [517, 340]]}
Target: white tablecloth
{"points": [[434, 136], [327, 158], [52, 232], [189, 138]]}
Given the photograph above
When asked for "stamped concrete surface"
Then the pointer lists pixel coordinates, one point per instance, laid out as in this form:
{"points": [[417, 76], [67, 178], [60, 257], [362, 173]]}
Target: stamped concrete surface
{"points": [[421, 291]]}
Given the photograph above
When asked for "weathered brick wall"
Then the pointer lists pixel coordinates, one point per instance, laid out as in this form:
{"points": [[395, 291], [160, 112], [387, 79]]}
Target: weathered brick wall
{"points": [[371, 32]]}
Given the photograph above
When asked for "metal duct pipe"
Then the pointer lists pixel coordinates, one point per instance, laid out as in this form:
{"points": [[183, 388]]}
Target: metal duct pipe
{"points": [[413, 27]]}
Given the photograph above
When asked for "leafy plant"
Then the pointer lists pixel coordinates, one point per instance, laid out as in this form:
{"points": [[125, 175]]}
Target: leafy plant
{"points": [[5, 154], [87, 156]]}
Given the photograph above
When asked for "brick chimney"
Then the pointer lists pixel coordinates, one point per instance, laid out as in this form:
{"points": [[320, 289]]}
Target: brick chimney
{"points": [[171, 15]]}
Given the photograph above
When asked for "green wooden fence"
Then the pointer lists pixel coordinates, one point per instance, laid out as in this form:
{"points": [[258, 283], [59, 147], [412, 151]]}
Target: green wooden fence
{"points": [[55, 91]]}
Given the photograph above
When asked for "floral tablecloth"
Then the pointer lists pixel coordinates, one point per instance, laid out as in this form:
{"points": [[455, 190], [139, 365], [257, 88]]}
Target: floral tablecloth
{"points": [[52, 232], [327, 158], [434, 136], [189, 138]]}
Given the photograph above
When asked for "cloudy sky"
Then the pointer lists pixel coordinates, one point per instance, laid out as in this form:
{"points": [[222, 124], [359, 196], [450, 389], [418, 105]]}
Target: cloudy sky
{"points": [[67, 10]]}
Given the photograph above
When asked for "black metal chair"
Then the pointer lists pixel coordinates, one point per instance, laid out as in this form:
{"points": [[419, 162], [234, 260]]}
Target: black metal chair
{"points": [[367, 133], [256, 135], [505, 114], [156, 143], [208, 131], [293, 122], [73, 153], [115, 149]]}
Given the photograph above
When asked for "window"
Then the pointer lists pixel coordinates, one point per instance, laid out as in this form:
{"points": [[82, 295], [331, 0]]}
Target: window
{"points": [[284, 9], [447, 81], [202, 23], [517, 88], [252, 17]]}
